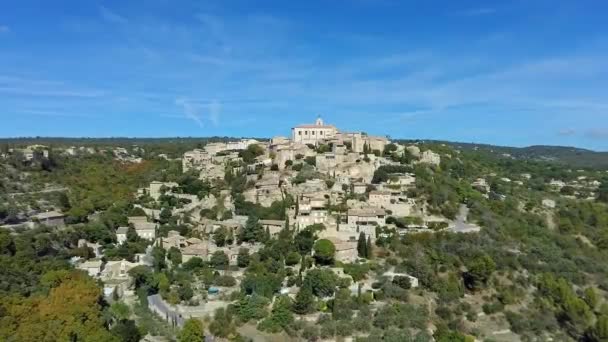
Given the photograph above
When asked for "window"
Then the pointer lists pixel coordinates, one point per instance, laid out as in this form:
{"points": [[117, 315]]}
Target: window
{"points": [[313, 132], [299, 132], [306, 133], [321, 132]]}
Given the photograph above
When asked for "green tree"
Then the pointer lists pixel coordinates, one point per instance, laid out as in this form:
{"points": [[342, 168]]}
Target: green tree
{"points": [[369, 249], [362, 246], [242, 259], [600, 331], [304, 301], [175, 256], [253, 231], [165, 216], [132, 235], [322, 282], [120, 311], [219, 260], [324, 252], [479, 271], [127, 331], [591, 297], [192, 331], [280, 317], [219, 236], [304, 241], [158, 256]]}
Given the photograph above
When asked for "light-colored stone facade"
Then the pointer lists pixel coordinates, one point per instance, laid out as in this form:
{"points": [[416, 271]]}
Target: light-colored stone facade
{"points": [[313, 134]]}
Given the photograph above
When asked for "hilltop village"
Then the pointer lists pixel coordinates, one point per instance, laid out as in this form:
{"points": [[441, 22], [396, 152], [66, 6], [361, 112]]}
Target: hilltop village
{"points": [[322, 235]]}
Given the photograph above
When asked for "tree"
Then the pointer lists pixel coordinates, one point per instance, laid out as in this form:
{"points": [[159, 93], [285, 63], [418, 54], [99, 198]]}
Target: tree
{"points": [[120, 311], [159, 263], [600, 331], [175, 256], [192, 331], [165, 215], [219, 260], [479, 271], [132, 235], [322, 282], [70, 312], [369, 249], [253, 231], [220, 235], [603, 192], [127, 331], [324, 252], [293, 258], [304, 301], [280, 317], [361, 246], [403, 282], [223, 324], [242, 259], [591, 298], [304, 241]]}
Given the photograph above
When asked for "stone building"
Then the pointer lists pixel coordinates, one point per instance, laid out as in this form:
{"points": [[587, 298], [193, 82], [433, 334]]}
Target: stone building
{"points": [[380, 199], [143, 228], [195, 159], [430, 157], [313, 134]]}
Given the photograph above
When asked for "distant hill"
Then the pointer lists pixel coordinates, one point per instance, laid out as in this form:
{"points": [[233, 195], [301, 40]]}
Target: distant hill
{"points": [[571, 156]]}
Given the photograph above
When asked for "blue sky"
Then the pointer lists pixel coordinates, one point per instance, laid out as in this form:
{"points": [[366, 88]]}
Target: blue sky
{"points": [[503, 72]]}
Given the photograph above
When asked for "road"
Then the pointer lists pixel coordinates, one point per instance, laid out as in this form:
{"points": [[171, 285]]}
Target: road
{"points": [[461, 225], [54, 189]]}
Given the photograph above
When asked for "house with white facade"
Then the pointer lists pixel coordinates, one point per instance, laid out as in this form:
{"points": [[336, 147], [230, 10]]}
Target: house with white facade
{"points": [[143, 228], [313, 134]]}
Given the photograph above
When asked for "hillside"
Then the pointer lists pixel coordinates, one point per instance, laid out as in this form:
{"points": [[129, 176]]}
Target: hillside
{"points": [[568, 156]]}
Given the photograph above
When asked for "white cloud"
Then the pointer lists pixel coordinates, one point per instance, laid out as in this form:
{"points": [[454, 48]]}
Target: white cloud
{"points": [[567, 132], [191, 111], [198, 111], [474, 12], [215, 108], [110, 16], [54, 113]]}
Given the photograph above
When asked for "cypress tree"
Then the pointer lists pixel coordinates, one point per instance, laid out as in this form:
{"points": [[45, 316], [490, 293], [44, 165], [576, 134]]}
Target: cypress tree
{"points": [[368, 248], [362, 246]]}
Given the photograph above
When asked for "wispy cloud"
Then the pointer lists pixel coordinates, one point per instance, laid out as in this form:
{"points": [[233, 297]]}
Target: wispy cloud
{"points": [[567, 132], [50, 92], [475, 12], [199, 113], [215, 108], [4, 29], [111, 16], [191, 111], [54, 113]]}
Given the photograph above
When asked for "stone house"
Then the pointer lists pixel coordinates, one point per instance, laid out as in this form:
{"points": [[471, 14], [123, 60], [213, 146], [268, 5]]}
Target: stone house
{"points": [[50, 218], [92, 267], [143, 228], [346, 251], [380, 199], [273, 226], [430, 157], [199, 250], [359, 188], [313, 134], [121, 235]]}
